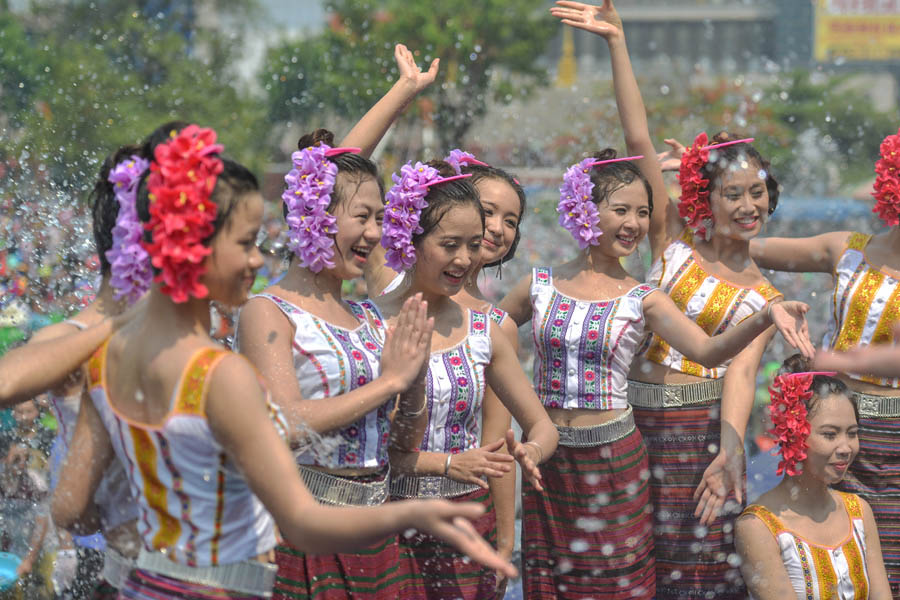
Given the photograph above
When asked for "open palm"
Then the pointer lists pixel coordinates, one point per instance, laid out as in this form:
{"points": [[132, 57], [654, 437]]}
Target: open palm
{"points": [[410, 71], [602, 20]]}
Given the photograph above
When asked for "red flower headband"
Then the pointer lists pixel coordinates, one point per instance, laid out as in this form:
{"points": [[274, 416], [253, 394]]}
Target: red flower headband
{"points": [[887, 181], [693, 206], [789, 417], [182, 178]]}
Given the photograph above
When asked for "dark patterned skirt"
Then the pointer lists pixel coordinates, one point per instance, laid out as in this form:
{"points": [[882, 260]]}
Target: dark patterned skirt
{"points": [[104, 591], [144, 585], [588, 535], [373, 573], [436, 571], [875, 475], [691, 561]]}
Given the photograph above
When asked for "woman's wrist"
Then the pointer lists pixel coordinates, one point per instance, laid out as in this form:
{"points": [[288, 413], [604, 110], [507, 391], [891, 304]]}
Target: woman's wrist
{"points": [[537, 447], [447, 465]]}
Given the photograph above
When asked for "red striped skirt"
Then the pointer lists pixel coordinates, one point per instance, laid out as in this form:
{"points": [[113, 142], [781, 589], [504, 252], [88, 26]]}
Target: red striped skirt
{"points": [[373, 573], [436, 571], [144, 585], [691, 561], [875, 475], [589, 533]]}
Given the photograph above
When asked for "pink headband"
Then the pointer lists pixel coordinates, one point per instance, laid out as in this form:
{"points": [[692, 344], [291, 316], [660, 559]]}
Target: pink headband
{"points": [[336, 151]]}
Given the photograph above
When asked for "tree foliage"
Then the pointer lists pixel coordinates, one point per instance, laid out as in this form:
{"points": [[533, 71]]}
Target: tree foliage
{"points": [[485, 48]]}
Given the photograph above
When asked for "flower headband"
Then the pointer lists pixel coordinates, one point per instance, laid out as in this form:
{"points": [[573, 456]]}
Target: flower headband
{"points": [[789, 417], [129, 262], [693, 206], [405, 201], [182, 178], [307, 197], [887, 181], [457, 158], [577, 212]]}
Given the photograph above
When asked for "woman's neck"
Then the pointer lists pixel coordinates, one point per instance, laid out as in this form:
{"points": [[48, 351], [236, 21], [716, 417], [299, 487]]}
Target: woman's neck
{"points": [[324, 286], [436, 302], [191, 317], [597, 262], [471, 293], [808, 493], [893, 239], [104, 303], [734, 253]]}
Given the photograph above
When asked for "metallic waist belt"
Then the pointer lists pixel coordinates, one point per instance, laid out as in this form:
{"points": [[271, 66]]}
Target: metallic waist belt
{"points": [[596, 435], [877, 406], [410, 486], [247, 577], [653, 395], [116, 568], [343, 491]]}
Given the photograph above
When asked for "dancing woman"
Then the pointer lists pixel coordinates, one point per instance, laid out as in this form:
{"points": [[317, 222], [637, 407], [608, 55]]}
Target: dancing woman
{"points": [[865, 309], [191, 421], [803, 538], [433, 229]]}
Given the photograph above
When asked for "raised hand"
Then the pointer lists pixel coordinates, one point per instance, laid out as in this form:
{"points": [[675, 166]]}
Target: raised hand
{"points": [[529, 465], [602, 20], [407, 344], [450, 521], [670, 160], [410, 72], [790, 318], [473, 465]]}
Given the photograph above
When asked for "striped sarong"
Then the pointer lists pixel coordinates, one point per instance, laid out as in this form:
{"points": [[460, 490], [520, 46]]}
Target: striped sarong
{"points": [[437, 571], [875, 475], [692, 561], [588, 535], [373, 573], [144, 585]]}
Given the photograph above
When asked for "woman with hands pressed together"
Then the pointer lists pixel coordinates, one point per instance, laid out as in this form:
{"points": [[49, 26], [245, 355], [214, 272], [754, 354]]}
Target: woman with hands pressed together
{"points": [[592, 533]]}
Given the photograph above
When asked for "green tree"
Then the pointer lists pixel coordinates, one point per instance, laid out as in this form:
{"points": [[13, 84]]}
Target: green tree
{"points": [[487, 48]]}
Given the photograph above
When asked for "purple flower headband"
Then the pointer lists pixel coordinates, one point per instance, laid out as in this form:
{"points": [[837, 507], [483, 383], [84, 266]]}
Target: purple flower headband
{"points": [[457, 158], [577, 212], [405, 201], [130, 270], [307, 197]]}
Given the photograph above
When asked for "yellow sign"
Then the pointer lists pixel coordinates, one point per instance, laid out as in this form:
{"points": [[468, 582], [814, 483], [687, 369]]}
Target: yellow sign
{"points": [[857, 30]]}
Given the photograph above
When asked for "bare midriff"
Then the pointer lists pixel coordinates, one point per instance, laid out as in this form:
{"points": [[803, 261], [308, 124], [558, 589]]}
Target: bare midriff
{"points": [[647, 371], [582, 417]]}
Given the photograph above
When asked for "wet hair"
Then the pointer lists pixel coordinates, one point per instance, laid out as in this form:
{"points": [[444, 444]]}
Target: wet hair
{"points": [[104, 206], [481, 172], [445, 196], [822, 385], [357, 168], [612, 177], [735, 154]]}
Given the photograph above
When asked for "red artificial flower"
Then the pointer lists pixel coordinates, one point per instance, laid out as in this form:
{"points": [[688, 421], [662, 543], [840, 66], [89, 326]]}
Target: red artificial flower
{"points": [[182, 177], [887, 181], [693, 205], [789, 417]]}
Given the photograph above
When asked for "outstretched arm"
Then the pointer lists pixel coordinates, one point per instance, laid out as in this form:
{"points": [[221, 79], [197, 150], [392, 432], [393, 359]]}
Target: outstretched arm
{"points": [[816, 254], [371, 128], [665, 225], [882, 360]]}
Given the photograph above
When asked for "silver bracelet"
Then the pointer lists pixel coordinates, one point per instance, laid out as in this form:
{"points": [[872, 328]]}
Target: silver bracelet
{"points": [[447, 465], [539, 449]]}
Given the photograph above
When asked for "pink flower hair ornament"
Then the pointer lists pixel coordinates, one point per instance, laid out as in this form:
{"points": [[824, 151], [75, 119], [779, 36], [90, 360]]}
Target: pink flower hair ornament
{"points": [[307, 196], [457, 158], [887, 181], [577, 212], [789, 393], [129, 262], [693, 205], [405, 201]]}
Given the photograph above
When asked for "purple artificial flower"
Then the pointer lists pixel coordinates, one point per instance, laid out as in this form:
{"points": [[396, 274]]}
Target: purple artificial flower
{"points": [[130, 270], [577, 212], [457, 158], [405, 201], [308, 194]]}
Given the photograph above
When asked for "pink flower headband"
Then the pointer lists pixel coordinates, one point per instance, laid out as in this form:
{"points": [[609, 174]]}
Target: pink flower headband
{"points": [[887, 181], [405, 201], [457, 158], [307, 197], [577, 212], [789, 417], [693, 206], [131, 274]]}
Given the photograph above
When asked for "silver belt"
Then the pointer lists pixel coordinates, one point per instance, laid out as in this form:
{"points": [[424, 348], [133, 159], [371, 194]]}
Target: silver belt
{"points": [[596, 435], [247, 577], [116, 568], [869, 405], [410, 486], [659, 395], [342, 491]]}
